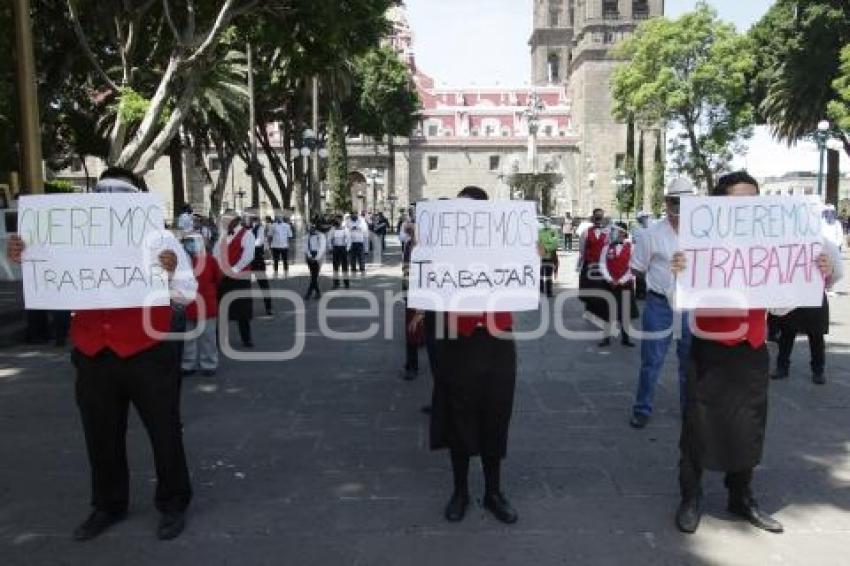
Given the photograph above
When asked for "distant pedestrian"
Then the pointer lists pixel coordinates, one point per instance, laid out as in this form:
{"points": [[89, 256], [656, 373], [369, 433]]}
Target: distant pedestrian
{"points": [[258, 264], [234, 251], [315, 248], [281, 237], [359, 241], [590, 281], [382, 225], [567, 230], [548, 239], [614, 265], [340, 242], [201, 352]]}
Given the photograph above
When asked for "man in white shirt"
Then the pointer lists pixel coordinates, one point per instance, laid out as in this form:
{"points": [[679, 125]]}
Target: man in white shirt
{"points": [[832, 229], [185, 222], [642, 225], [258, 266], [359, 242], [340, 241], [651, 257], [281, 234], [315, 248]]}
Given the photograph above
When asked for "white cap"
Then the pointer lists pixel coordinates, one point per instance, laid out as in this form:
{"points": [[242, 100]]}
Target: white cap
{"points": [[643, 214], [680, 187]]}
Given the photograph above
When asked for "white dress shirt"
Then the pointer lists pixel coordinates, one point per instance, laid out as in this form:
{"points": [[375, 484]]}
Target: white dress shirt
{"points": [[222, 245], [651, 255], [316, 242], [281, 233], [340, 237]]}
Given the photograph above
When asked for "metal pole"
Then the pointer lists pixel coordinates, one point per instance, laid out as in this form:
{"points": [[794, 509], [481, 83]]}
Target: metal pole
{"points": [[314, 172], [252, 111], [30, 132], [822, 147]]}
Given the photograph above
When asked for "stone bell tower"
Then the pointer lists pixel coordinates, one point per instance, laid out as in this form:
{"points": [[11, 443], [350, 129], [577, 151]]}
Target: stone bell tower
{"points": [[572, 43]]}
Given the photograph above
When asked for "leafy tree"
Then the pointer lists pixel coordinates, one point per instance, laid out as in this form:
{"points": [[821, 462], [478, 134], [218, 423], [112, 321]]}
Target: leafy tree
{"points": [[839, 109], [692, 74], [798, 45]]}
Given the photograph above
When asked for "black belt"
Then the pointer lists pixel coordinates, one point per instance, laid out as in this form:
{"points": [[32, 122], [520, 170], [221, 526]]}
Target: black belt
{"points": [[659, 295]]}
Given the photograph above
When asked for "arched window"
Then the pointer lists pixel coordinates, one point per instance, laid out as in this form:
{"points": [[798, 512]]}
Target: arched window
{"points": [[553, 64]]}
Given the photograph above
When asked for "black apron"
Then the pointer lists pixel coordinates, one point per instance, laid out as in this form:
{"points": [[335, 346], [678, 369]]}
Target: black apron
{"points": [[473, 397], [726, 412], [590, 278], [241, 308], [807, 320]]}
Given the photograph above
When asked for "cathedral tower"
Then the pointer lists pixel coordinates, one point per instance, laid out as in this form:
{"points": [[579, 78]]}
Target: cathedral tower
{"points": [[573, 42]]}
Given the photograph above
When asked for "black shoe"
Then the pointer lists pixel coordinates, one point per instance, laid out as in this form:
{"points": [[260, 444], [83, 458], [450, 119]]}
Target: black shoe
{"points": [[628, 343], [780, 373], [96, 524], [818, 378], [689, 514], [605, 343], [426, 409], [247, 344], [639, 421], [188, 372], [748, 509], [171, 525], [208, 373], [456, 509], [500, 508]]}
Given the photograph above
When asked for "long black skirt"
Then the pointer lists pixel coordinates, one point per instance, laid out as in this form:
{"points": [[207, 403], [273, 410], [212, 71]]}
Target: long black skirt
{"points": [[624, 311], [241, 308], [807, 320], [590, 279], [473, 394], [727, 391]]}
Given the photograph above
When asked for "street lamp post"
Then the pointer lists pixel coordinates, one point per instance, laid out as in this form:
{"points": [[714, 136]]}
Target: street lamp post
{"points": [[373, 178], [822, 137], [392, 200]]}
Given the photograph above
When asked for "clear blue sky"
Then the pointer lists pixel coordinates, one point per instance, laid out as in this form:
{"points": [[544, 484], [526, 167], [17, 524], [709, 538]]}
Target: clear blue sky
{"points": [[485, 42]]}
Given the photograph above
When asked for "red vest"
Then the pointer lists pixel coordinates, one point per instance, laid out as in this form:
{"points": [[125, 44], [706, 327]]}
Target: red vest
{"points": [[234, 253], [618, 263], [593, 244], [494, 322], [119, 330], [746, 326], [208, 278]]}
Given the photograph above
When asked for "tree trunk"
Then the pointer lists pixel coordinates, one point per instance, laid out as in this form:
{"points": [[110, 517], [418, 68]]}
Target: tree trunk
{"points": [[658, 175], [178, 190], [225, 158], [390, 181], [640, 175], [833, 176], [699, 158], [338, 160]]}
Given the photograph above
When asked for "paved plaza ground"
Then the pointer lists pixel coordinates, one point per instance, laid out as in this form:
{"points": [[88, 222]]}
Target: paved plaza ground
{"points": [[324, 460]]}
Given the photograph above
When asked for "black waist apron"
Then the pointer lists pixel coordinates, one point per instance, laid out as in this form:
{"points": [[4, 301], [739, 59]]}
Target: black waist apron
{"points": [[590, 279], [807, 320], [726, 413], [241, 308], [473, 396]]}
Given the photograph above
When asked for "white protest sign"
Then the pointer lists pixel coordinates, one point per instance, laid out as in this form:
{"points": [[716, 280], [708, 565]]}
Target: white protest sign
{"points": [[475, 256], [92, 251], [750, 252]]}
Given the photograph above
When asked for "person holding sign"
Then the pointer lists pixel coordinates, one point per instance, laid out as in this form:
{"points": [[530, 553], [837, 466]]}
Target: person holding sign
{"points": [[618, 275], [727, 385], [651, 258], [590, 247], [475, 374], [234, 252], [121, 357]]}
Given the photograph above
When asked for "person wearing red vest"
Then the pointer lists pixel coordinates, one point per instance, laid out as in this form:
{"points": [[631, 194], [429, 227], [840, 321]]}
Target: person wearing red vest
{"points": [[234, 252], [201, 352], [591, 243], [723, 428], [121, 358], [615, 269], [472, 400]]}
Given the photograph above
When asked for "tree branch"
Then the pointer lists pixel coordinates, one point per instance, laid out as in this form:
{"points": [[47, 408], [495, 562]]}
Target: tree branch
{"points": [[84, 44], [166, 9], [225, 15]]}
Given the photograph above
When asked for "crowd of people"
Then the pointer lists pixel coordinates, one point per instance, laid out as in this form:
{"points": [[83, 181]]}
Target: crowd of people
{"points": [[723, 383]]}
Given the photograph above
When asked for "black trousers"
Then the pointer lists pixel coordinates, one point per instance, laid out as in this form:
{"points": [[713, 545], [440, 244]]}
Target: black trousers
{"points": [[340, 263], [357, 257], [314, 267], [547, 272], [105, 387], [258, 266], [690, 480], [278, 255], [817, 347]]}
